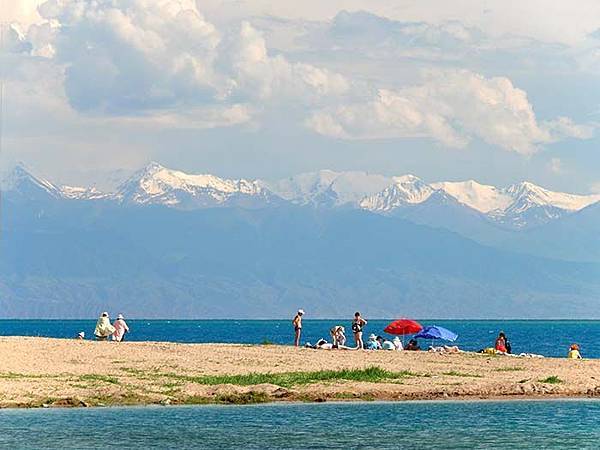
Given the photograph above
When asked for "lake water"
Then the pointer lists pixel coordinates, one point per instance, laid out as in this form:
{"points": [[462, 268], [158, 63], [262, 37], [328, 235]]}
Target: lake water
{"points": [[416, 425], [546, 337]]}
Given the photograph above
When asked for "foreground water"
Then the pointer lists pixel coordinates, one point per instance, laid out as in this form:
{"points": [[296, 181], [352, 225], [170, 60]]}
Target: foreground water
{"points": [[546, 337], [451, 425]]}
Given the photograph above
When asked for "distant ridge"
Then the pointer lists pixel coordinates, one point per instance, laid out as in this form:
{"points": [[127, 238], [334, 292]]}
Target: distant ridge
{"points": [[519, 206]]}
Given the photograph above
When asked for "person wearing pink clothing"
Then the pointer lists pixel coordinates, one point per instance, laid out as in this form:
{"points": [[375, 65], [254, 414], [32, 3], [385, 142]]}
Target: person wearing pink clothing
{"points": [[120, 328]]}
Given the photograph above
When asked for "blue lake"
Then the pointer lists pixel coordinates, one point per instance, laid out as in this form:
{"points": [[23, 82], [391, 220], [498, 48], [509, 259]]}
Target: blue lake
{"points": [[417, 425], [546, 337]]}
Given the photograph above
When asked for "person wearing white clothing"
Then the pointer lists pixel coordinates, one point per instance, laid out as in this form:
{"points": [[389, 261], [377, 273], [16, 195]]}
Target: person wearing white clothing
{"points": [[120, 328], [103, 327]]}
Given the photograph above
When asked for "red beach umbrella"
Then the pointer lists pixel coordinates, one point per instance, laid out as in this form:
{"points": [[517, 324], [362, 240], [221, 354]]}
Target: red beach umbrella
{"points": [[403, 326]]}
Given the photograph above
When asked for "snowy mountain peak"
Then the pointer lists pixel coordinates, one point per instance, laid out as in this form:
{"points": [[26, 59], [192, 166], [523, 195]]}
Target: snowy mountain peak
{"points": [[328, 188], [405, 190], [156, 184], [23, 181], [526, 193], [481, 197]]}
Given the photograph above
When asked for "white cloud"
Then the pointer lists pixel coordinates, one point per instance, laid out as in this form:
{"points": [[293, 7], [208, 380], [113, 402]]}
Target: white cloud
{"points": [[255, 73], [555, 165], [556, 22], [140, 58], [451, 107]]}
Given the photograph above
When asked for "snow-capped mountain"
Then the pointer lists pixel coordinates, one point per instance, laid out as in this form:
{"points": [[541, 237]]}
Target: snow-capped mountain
{"points": [[481, 197], [156, 184], [518, 206], [405, 190], [23, 183], [327, 188]]}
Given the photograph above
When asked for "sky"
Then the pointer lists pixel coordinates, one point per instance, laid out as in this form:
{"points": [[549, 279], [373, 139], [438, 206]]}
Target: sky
{"points": [[468, 89]]}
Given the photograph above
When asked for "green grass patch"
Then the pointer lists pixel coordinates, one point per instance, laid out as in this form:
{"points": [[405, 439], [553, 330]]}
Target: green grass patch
{"points": [[289, 379], [454, 373], [509, 369], [551, 380], [95, 377], [16, 376]]}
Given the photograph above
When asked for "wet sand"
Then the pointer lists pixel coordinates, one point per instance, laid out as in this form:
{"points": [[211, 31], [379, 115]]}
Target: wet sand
{"points": [[56, 372]]}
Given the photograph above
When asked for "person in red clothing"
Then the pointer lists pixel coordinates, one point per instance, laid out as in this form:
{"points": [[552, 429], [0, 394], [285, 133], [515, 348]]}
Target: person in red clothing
{"points": [[500, 345]]}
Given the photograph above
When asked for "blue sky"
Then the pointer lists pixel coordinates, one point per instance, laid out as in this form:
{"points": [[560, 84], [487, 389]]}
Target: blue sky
{"points": [[445, 90]]}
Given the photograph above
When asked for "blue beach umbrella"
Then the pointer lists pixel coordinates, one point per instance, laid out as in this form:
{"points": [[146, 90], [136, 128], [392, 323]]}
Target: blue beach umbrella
{"points": [[435, 332]]}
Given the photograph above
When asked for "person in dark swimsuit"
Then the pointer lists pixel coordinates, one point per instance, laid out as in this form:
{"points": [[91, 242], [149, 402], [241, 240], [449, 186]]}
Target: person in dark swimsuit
{"points": [[357, 328]]}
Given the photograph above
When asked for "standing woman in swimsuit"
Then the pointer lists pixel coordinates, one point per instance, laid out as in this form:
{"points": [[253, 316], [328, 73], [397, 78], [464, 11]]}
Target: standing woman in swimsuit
{"points": [[297, 322], [357, 328]]}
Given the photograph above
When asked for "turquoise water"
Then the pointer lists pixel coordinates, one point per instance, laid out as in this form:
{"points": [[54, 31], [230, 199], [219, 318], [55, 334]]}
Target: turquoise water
{"points": [[420, 425], [546, 337]]}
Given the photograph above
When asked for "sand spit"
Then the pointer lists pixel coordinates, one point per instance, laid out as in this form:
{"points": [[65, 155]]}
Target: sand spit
{"points": [[37, 372]]}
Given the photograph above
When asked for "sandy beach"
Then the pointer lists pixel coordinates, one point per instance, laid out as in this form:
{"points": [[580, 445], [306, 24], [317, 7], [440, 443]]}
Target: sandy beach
{"points": [[38, 372]]}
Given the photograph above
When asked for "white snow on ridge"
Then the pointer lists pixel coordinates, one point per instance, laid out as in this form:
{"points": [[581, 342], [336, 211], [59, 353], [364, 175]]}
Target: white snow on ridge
{"points": [[481, 197], [520, 205], [156, 184], [540, 196], [81, 193], [405, 190], [339, 187]]}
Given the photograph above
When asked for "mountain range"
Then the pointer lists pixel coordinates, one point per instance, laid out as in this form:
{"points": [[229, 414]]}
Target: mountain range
{"points": [[519, 206], [170, 244]]}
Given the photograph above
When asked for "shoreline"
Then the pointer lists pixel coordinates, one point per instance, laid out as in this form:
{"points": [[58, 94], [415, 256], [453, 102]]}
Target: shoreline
{"points": [[46, 372]]}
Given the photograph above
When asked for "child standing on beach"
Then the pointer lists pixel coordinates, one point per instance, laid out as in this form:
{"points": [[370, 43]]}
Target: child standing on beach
{"points": [[297, 322]]}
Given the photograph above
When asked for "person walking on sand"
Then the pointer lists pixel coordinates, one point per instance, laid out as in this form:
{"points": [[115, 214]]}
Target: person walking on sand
{"points": [[103, 327], [120, 328], [297, 322], [357, 328]]}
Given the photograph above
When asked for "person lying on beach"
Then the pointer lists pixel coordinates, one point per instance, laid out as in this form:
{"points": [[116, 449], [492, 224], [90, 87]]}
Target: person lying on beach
{"points": [[412, 345], [445, 349], [120, 328], [574, 352], [322, 344], [338, 335], [103, 327]]}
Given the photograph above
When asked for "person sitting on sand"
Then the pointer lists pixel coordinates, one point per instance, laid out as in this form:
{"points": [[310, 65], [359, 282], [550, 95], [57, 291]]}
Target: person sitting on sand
{"points": [[412, 345], [103, 327], [373, 343], [357, 328], [500, 344], [574, 352], [338, 336], [120, 328], [398, 344], [388, 345], [80, 336], [297, 323]]}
